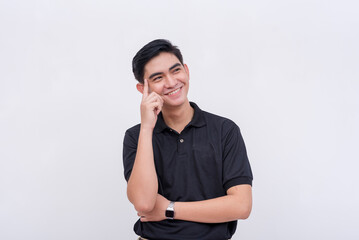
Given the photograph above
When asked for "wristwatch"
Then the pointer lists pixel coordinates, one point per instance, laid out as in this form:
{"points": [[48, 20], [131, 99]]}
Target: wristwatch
{"points": [[170, 211]]}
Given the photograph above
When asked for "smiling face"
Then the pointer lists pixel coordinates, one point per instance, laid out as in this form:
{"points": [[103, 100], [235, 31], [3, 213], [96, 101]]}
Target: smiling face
{"points": [[169, 78]]}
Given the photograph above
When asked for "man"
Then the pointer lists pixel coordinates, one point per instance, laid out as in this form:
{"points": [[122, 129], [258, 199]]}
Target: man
{"points": [[187, 170]]}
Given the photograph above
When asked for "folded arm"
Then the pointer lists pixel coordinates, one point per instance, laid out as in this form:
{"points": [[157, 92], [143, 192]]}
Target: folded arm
{"points": [[142, 185], [237, 204]]}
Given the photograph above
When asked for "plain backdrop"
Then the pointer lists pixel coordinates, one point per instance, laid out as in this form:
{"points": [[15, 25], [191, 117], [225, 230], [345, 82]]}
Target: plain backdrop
{"points": [[286, 71]]}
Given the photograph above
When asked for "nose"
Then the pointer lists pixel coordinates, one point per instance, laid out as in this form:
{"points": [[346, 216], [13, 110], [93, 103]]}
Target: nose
{"points": [[170, 81]]}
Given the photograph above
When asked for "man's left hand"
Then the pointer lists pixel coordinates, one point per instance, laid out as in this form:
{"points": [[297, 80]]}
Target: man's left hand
{"points": [[158, 212]]}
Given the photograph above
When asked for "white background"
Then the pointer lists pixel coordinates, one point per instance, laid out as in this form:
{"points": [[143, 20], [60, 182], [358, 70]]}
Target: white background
{"points": [[285, 71]]}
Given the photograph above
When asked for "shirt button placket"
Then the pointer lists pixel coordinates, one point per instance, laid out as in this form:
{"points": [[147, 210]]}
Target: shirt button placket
{"points": [[180, 144]]}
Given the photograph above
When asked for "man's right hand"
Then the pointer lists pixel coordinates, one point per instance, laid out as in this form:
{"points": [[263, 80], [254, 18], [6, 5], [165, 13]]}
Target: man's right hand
{"points": [[142, 185], [151, 106]]}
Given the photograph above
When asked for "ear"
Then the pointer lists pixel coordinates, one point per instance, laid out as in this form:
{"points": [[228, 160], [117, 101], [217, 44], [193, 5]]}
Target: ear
{"points": [[186, 69], [139, 87]]}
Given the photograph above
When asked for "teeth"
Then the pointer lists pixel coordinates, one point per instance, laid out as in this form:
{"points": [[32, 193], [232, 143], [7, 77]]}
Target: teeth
{"points": [[174, 92]]}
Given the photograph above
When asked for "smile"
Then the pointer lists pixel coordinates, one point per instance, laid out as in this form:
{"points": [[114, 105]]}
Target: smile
{"points": [[175, 91]]}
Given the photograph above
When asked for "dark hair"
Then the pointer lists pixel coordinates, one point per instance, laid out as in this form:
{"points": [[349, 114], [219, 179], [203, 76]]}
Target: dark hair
{"points": [[149, 51]]}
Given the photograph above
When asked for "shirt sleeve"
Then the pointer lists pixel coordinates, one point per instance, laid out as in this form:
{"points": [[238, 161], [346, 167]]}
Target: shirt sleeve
{"points": [[129, 152], [236, 167]]}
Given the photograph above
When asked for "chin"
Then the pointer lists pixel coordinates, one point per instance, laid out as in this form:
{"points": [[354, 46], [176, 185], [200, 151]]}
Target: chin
{"points": [[175, 103]]}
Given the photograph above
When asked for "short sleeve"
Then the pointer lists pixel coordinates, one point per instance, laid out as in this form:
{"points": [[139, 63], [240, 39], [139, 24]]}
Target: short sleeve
{"points": [[129, 151], [236, 167]]}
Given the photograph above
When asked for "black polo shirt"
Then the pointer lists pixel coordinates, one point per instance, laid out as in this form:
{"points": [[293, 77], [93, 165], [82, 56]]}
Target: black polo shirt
{"points": [[202, 162]]}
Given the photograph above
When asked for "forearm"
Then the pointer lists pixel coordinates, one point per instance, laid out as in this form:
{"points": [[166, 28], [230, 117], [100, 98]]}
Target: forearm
{"points": [[143, 186], [222, 209]]}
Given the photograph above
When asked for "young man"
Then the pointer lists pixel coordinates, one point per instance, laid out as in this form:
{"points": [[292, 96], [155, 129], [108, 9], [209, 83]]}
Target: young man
{"points": [[187, 170]]}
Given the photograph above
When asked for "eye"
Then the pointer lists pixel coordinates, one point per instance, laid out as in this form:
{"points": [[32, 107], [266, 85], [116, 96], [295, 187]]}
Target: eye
{"points": [[157, 78], [176, 70]]}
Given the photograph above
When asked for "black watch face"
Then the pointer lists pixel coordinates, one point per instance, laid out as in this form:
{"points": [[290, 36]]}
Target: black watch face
{"points": [[170, 214]]}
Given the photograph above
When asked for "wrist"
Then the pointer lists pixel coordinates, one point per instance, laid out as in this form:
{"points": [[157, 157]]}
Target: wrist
{"points": [[146, 129], [170, 211]]}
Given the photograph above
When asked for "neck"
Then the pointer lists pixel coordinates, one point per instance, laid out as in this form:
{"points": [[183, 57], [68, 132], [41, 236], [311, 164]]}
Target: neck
{"points": [[178, 117]]}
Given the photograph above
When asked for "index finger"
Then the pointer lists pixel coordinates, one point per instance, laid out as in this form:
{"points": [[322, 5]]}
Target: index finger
{"points": [[145, 88]]}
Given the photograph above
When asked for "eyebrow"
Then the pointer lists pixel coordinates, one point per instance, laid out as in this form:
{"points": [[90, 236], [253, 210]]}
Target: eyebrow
{"points": [[174, 66], [159, 73]]}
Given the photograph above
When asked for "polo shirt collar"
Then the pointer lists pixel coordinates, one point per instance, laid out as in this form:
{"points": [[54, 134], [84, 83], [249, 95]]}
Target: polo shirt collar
{"points": [[198, 119]]}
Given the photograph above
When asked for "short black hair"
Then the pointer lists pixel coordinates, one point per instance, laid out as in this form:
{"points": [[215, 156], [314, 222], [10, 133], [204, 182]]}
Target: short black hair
{"points": [[149, 51]]}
